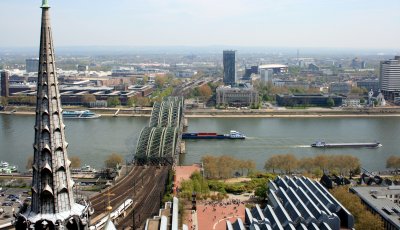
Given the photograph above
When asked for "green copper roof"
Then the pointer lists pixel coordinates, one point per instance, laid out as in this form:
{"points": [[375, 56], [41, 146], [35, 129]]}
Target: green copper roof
{"points": [[45, 4]]}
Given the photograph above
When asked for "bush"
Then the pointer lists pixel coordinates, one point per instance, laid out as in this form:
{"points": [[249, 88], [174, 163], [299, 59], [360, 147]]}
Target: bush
{"points": [[235, 188], [216, 186]]}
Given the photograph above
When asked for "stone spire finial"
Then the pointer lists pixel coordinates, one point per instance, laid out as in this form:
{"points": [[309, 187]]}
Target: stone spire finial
{"points": [[45, 4]]}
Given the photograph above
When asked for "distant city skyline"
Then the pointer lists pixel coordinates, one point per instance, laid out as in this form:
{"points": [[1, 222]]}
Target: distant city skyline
{"points": [[265, 23]]}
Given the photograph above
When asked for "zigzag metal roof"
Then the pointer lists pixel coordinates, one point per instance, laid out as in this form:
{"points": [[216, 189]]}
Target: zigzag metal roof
{"points": [[299, 203]]}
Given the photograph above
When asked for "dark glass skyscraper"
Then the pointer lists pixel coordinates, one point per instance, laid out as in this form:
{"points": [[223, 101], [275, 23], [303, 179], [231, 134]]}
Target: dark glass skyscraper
{"points": [[229, 61], [4, 84]]}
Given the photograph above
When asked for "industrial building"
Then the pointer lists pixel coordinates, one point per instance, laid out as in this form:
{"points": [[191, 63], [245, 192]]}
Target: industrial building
{"points": [[389, 78], [276, 68], [382, 200], [236, 96], [296, 203], [229, 62], [249, 71]]}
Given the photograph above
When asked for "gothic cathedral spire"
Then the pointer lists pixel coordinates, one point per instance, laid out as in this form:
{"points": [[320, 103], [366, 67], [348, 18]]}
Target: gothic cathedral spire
{"points": [[53, 205]]}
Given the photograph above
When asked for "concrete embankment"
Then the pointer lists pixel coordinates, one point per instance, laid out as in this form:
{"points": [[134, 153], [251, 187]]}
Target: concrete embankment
{"points": [[390, 112], [198, 113]]}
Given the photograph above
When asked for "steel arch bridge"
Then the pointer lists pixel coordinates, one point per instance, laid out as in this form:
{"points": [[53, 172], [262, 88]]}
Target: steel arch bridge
{"points": [[159, 143], [167, 113]]}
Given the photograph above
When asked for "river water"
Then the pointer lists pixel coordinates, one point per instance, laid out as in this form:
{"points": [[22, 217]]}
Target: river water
{"points": [[93, 139]]}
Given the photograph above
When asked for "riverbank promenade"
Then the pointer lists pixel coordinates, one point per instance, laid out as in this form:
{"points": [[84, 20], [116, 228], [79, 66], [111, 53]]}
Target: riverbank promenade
{"points": [[393, 111]]}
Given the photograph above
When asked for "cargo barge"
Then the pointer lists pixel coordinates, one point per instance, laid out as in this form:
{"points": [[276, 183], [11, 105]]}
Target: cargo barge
{"points": [[322, 144], [232, 135]]}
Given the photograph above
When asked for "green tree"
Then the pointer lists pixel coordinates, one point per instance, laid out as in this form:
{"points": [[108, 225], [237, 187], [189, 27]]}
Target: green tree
{"points": [[29, 163], [358, 90], [285, 162], [131, 102], [75, 161], [289, 163], [249, 165], [159, 82], [210, 166], [272, 163], [87, 98], [363, 218], [205, 91], [294, 70], [321, 161], [113, 101], [330, 102], [113, 160], [393, 162], [262, 191], [3, 101]]}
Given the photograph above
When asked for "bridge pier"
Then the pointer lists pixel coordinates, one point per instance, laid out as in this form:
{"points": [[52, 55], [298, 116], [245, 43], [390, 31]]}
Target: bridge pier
{"points": [[185, 124], [183, 147]]}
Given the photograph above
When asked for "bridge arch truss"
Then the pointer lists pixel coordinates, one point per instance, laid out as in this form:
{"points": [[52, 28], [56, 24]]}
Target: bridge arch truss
{"points": [[159, 143]]}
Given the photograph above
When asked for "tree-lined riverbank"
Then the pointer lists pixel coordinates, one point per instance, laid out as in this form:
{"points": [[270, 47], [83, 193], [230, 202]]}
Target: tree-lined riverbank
{"points": [[241, 113]]}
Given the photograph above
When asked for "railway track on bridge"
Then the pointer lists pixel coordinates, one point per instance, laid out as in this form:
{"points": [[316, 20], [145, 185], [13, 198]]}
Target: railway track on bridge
{"points": [[157, 151]]}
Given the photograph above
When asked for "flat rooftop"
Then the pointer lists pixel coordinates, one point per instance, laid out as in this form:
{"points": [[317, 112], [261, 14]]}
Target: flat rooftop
{"points": [[378, 198]]}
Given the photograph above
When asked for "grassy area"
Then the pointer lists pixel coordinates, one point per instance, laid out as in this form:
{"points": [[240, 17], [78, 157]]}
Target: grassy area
{"points": [[217, 189]]}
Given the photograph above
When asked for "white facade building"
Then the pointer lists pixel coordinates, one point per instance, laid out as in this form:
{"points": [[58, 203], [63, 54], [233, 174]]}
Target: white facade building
{"points": [[390, 78]]}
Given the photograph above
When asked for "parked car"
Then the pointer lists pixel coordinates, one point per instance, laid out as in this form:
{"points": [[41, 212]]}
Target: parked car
{"points": [[6, 204]]}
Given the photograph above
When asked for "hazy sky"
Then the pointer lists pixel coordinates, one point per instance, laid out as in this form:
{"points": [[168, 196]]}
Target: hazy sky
{"points": [[284, 23]]}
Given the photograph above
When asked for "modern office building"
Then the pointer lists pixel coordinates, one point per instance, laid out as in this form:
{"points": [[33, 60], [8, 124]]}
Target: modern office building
{"points": [[32, 65], [307, 100], [82, 68], [5, 88], [340, 88], [236, 96], [229, 62], [389, 78], [53, 205], [369, 85]]}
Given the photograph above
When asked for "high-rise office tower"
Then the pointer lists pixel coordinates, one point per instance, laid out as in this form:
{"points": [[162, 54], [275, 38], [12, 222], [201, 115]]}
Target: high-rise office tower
{"points": [[5, 89], [53, 205], [389, 79], [32, 65], [266, 76], [229, 62]]}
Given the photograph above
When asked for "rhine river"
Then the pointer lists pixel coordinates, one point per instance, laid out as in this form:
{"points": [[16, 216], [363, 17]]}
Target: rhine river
{"points": [[93, 139]]}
